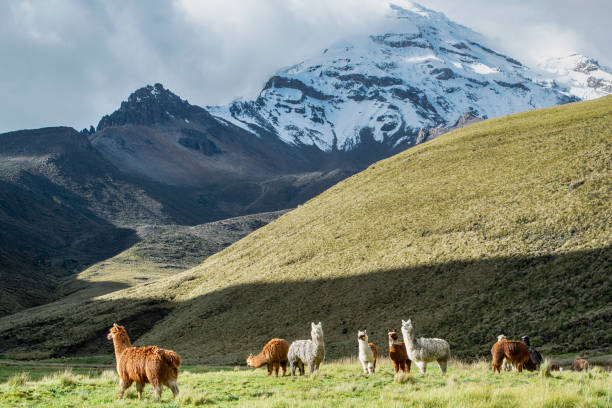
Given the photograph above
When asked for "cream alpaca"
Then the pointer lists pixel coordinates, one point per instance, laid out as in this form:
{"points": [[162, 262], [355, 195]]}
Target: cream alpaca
{"points": [[368, 353], [310, 352], [423, 350]]}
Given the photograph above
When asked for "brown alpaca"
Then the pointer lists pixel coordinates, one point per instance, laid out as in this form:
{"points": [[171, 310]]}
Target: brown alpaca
{"points": [[274, 355], [580, 365], [375, 352], [143, 364], [513, 351], [397, 352]]}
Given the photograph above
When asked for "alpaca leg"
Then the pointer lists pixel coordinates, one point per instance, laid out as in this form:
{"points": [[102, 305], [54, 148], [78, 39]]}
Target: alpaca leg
{"points": [[139, 387], [365, 367], [371, 368], [407, 366], [269, 368], [158, 391], [519, 367], [123, 385], [276, 367], [283, 367], [422, 366], [311, 368], [442, 364], [157, 387], [397, 366], [292, 367], [174, 387], [302, 369]]}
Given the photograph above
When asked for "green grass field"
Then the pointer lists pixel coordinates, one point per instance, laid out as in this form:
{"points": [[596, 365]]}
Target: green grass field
{"points": [[338, 384]]}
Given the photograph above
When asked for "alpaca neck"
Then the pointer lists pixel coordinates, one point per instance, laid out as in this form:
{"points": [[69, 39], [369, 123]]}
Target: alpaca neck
{"points": [[120, 343], [316, 341], [409, 339], [363, 345], [258, 360]]}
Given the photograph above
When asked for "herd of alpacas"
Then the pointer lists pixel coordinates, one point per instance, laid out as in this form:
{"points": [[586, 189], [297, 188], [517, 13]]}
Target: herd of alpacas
{"points": [[159, 367]]}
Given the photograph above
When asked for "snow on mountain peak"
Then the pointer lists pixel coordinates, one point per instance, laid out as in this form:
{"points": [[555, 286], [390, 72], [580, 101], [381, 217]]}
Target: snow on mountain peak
{"points": [[421, 71], [579, 75]]}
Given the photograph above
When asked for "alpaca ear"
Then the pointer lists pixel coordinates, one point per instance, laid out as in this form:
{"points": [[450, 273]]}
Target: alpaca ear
{"points": [[312, 325], [114, 324]]}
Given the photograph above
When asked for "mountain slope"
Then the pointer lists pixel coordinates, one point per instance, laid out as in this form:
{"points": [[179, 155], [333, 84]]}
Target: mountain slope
{"points": [[49, 226], [419, 71], [503, 226], [164, 250], [217, 169], [188, 146]]}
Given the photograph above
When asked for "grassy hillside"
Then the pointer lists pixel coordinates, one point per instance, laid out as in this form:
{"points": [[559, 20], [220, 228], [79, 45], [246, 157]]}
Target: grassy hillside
{"points": [[503, 226]]}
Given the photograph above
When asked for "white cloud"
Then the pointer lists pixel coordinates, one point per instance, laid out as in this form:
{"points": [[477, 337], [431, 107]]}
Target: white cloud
{"points": [[70, 62]]}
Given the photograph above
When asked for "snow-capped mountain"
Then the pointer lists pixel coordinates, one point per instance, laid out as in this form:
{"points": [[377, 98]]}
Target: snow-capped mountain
{"points": [[422, 72], [579, 75]]}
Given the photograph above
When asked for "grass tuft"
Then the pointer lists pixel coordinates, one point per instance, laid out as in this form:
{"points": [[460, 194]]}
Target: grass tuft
{"points": [[546, 368], [403, 378], [19, 379]]}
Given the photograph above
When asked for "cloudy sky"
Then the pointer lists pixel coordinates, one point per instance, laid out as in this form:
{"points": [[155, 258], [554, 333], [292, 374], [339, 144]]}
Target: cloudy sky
{"points": [[68, 62]]}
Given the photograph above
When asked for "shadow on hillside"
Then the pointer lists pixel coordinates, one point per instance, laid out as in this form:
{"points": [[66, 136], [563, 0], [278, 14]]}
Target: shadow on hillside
{"points": [[562, 301], [47, 233]]}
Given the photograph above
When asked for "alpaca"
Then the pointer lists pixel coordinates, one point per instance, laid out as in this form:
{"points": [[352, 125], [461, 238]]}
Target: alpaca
{"points": [[580, 365], [507, 366], [397, 352], [536, 357], [368, 353], [310, 352], [274, 355], [513, 351], [143, 365], [423, 350]]}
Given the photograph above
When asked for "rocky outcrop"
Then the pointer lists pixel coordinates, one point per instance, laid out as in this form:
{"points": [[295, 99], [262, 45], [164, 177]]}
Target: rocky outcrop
{"points": [[153, 105]]}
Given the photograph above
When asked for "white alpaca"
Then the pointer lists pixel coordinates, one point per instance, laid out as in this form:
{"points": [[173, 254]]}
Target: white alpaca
{"points": [[310, 352], [423, 350], [367, 352], [507, 366]]}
